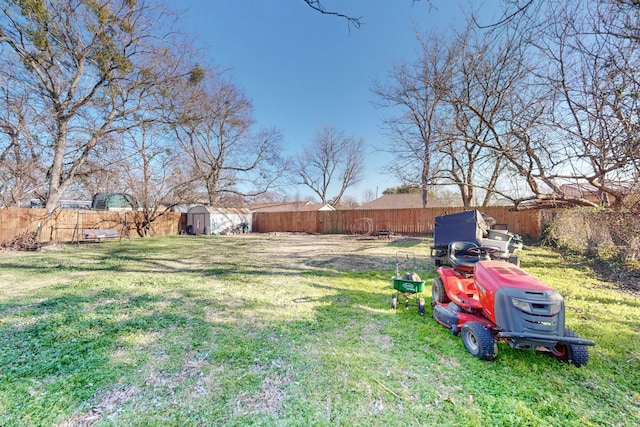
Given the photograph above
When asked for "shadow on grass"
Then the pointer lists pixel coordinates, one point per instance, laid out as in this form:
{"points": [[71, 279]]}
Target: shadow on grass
{"points": [[406, 242]]}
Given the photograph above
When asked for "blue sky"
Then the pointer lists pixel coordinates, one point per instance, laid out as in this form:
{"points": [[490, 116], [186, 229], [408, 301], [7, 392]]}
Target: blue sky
{"points": [[304, 70]]}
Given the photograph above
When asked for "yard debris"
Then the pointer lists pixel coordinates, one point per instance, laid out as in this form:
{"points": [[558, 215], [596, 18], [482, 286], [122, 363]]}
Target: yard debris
{"points": [[411, 276], [389, 390], [27, 241]]}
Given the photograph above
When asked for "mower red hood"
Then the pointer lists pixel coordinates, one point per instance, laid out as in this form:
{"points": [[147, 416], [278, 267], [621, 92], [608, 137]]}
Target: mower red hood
{"points": [[493, 275]]}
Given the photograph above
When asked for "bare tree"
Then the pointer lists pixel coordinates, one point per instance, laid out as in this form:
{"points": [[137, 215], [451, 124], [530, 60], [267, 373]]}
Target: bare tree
{"points": [[488, 98], [348, 202], [368, 195], [418, 91], [88, 64], [331, 159], [545, 97], [213, 121], [21, 173], [461, 101], [148, 169], [590, 72]]}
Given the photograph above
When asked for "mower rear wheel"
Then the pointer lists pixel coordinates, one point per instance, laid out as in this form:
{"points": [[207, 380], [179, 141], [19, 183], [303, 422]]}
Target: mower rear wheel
{"points": [[438, 293], [479, 341], [576, 354]]}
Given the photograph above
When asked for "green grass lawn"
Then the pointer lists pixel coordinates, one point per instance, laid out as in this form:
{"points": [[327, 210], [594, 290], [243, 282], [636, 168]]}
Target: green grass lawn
{"points": [[286, 330]]}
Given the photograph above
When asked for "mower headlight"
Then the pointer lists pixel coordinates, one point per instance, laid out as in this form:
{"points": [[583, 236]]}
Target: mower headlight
{"points": [[555, 308], [521, 305]]}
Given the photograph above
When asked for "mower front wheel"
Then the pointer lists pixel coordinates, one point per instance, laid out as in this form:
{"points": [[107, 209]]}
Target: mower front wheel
{"points": [[576, 354], [479, 341], [438, 293]]}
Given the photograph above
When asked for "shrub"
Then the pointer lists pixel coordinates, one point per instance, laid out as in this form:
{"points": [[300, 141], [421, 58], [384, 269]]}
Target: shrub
{"points": [[610, 236]]}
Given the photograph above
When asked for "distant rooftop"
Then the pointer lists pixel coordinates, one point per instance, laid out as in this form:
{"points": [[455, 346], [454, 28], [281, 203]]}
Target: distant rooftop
{"points": [[290, 207], [403, 201]]}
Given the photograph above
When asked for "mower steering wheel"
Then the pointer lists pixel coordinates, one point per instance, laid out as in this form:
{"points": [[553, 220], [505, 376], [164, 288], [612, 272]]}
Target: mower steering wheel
{"points": [[482, 250]]}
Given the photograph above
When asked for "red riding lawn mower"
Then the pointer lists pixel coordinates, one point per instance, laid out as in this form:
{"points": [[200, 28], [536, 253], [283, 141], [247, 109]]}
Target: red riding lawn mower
{"points": [[480, 295]]}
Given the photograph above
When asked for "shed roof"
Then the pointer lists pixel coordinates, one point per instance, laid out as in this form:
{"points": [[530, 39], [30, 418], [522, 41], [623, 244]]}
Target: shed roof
{"points": [[217, 210]]}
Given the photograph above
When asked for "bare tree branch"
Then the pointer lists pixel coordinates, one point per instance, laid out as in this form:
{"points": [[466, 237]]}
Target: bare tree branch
{"points": [[317, 5]]}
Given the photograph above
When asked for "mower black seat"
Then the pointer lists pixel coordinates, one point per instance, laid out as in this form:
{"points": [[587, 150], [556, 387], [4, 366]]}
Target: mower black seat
{"points": [[465, 255]]}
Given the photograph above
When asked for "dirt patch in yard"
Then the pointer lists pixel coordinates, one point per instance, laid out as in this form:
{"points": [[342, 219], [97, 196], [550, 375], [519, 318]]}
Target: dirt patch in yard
{"points": [[346, 253], [338, 252]]}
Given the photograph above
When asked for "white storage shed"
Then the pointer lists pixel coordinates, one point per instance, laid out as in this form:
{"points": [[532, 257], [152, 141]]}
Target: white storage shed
{"points": [[210, 220]]}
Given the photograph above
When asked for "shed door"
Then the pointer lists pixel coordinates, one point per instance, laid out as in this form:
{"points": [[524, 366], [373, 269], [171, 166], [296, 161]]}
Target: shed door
{"points": [[198, 223]]}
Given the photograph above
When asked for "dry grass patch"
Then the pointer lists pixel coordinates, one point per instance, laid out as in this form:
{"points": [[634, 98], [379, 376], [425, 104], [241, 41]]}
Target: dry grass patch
{"points": [[267, 400]]}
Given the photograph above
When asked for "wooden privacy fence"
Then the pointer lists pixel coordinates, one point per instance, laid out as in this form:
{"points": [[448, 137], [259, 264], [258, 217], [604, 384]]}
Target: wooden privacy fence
{"points": [[67, 225], [412, 222]]}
